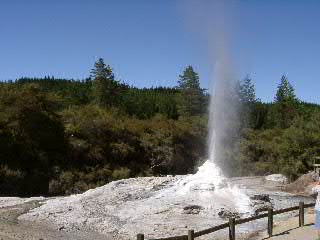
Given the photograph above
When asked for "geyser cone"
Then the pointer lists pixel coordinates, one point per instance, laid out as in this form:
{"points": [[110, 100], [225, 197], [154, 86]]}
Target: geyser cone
{"points": [[208, 178]]}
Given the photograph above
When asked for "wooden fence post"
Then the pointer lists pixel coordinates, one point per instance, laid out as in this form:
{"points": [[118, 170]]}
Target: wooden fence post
{"points": [[191, 235], [232, 228], [270, 221], [140, 236], [301, 214]]}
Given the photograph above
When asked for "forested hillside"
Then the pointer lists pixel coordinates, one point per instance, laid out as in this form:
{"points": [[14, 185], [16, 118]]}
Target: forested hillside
{"points": [[60, 136]]}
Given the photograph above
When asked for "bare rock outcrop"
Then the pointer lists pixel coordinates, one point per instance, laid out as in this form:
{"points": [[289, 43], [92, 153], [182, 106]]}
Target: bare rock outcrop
{"points": [[261, 203], [192, 209], [302, 185], [225, 214]]}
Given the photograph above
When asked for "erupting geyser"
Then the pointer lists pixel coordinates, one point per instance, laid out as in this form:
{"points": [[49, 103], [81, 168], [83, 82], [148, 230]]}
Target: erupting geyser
{"points": [[209, 181]]}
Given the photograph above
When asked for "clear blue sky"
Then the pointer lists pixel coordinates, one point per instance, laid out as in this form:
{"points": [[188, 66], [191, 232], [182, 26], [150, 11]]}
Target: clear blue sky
{"points": [[150, 42]]}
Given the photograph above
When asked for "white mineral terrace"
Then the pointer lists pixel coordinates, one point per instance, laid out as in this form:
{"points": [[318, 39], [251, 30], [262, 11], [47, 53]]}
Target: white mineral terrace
{"points": [[156, 206]]}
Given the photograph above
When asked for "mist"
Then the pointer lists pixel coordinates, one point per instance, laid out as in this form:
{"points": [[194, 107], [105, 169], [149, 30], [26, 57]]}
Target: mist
{"points": [[213, 22]]}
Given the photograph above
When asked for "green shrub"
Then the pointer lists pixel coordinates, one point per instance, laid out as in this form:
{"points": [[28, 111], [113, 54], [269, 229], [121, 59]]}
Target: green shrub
{"points": [[121, 173]]}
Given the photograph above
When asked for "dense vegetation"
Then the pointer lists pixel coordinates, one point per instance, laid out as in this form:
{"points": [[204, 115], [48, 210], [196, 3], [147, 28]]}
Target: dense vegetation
{"points": [[61, 136]]}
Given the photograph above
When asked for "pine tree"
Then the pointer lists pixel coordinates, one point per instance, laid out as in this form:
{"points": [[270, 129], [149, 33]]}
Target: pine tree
{"points": [[285, 91], [248, 100], [105, 88], [247, 92], [285, 103], [191, 98]]}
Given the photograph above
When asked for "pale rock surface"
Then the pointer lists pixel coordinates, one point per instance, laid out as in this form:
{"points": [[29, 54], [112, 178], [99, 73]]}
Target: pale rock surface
{"points": [[12, 201], [157, 206], [277, 178]]}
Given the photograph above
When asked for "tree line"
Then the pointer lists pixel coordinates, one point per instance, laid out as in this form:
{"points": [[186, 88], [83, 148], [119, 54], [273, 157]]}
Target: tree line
{"points": [[60, 136]]}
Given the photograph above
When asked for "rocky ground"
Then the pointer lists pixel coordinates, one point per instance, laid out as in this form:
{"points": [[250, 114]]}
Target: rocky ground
{"points": [[155, 206], [12, 229]]}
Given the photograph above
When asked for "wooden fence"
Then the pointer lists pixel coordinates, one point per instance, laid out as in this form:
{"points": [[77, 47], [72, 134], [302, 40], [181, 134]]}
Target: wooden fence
{"points": [[191, 235]]}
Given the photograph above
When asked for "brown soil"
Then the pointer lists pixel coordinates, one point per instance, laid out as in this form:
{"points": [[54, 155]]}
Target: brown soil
{"points": [[289, 230], [302, 185]]}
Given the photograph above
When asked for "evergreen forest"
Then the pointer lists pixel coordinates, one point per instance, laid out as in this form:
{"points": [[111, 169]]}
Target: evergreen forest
{"points": [[64, 136]]}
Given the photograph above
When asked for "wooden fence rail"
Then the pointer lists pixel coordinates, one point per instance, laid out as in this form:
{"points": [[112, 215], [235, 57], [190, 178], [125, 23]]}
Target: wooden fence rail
{"points": [[191, 234]]}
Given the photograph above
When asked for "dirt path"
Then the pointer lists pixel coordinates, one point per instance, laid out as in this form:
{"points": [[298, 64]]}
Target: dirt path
{"points": [[12, 229], [289, 230]]}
